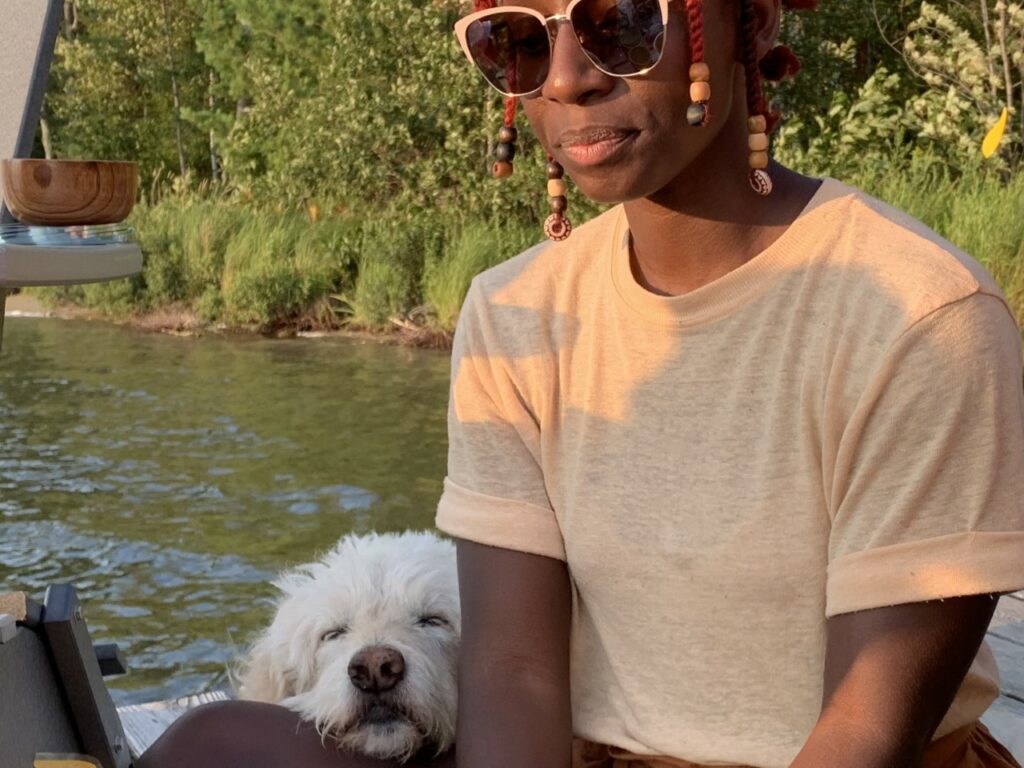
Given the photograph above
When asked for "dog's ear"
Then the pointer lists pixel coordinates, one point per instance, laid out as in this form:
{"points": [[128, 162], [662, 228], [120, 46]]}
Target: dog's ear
{"points": [[264, 675]]}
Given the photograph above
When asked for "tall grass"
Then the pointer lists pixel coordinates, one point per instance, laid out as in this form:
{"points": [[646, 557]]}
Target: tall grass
{"points": [[475, 248], [233, 264]]}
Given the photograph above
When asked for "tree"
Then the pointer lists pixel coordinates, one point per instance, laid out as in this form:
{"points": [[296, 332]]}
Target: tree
{"points": [[115, 73]]}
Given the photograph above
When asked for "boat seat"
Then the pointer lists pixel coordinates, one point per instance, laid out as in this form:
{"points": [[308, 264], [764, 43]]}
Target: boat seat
{"points": [[54, 705]]}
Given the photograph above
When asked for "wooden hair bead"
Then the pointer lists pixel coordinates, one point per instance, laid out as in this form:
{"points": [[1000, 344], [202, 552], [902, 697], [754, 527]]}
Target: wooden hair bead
{"points": [[557, 227], [697, 114], [758, 142], [700, 92], [559, 204], [700, 72], [508, 134], [555, 171], [757, 124], [761, 182], [557, 188], [505, 152], [501, 170], [758, 160]]}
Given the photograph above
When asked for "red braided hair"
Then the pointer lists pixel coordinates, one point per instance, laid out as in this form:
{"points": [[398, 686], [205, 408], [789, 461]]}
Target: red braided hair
{"points": [[695, 19], [748, 38], [779, 63], [511, 103]]}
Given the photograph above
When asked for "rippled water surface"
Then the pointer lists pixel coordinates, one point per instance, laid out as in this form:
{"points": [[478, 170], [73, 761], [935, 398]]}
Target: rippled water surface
{"points": [[169, 479]]}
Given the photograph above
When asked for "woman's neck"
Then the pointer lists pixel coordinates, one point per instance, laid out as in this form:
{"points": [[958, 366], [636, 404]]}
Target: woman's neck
{"points": [[690, 235]]}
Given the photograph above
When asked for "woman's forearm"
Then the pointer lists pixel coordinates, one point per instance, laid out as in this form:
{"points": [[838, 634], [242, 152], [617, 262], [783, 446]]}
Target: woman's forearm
{"points": [[890, 676], [514, 705], [851, 744], [513, 718]]}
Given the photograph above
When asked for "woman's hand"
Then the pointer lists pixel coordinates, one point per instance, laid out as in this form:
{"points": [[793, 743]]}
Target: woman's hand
{"points": [[890, 676]]}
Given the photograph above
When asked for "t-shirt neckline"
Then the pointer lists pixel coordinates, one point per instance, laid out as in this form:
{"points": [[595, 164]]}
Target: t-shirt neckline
{"points": [[733, 289]]}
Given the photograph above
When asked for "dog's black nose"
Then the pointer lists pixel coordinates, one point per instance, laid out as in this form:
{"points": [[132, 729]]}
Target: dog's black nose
{"points": [[376, 669]]}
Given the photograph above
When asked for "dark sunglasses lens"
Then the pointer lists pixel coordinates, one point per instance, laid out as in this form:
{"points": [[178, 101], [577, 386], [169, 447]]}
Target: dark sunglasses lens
{"points": [[512, 50], [622, 37]]}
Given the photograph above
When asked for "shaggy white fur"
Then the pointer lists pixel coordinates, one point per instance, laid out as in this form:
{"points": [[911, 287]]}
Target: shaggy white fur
{"points": [[364, 645]]}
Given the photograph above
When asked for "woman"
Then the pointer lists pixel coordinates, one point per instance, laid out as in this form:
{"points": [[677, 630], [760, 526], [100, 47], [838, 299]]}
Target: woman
{"points": [[738, 463]]}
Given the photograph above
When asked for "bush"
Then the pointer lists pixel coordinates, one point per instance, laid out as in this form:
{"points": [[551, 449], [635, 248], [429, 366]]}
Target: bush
{"points": [[469, 252], [250, 268]]}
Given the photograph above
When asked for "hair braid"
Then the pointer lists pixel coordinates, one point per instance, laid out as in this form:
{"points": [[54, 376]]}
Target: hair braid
{"points": [[695, 17], [752, 64]]}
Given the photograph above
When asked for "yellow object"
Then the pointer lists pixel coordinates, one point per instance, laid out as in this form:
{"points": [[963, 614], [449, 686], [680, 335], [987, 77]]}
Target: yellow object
{"points": [[53, 760], [991, 143]]}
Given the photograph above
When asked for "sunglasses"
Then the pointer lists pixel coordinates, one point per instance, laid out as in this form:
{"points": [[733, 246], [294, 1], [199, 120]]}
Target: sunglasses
{"points": [[512, 45]]}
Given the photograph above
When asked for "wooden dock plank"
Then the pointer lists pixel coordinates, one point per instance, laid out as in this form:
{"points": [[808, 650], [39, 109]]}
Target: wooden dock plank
{"points": [[1010, 655], [143, 723], [1010, 610]]}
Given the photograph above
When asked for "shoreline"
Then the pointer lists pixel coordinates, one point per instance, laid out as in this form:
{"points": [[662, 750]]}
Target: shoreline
{"points": [[180, 321]]}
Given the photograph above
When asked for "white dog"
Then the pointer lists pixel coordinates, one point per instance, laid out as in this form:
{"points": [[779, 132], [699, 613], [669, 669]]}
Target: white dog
{"points": [[364, 645]]}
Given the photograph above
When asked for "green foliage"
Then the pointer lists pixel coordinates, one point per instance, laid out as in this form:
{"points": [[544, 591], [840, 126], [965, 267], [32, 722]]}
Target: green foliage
{"points": [[475, 248], [110, 94], [968, 82], [394, 255], [355, 143], [862, 131], [956, 69], [975, 210]]}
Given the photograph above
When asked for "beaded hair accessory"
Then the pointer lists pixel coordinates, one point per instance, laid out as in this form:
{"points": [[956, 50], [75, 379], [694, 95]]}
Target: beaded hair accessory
{"points": [[557, 225], [780, 63]]}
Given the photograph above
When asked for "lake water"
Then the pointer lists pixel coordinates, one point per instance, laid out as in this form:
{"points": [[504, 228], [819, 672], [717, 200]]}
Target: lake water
{"points": [[169, 479]]}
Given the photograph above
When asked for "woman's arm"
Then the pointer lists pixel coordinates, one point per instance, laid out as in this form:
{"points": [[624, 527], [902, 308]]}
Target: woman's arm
{"points": [[514, 660], [890, 676]]}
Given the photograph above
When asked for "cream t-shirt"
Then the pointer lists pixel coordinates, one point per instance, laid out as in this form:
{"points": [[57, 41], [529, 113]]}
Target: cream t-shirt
{"points": [[836, 425]]}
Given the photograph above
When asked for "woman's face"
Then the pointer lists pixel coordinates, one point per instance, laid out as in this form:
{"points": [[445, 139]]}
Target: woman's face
{"points": [[626, 138]]}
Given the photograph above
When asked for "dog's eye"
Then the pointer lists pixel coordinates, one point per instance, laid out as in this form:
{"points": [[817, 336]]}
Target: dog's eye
{"points": [[432, 621], [333, 634]]}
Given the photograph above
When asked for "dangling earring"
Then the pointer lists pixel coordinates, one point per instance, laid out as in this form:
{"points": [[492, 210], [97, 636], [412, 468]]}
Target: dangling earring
{"points": [[699, 113], [758, 143], [505, 152], [557, 227]]}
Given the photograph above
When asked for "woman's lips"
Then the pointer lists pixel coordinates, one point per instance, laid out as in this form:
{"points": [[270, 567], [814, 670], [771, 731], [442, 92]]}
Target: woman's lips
{"points": [[594, 146]]}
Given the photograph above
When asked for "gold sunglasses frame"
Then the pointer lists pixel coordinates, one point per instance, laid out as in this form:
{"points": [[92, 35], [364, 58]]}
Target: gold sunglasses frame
{"points": [[551, 24]]}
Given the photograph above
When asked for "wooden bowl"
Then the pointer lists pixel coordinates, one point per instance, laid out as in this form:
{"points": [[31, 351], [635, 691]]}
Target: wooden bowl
{"points": [[62, 193]]}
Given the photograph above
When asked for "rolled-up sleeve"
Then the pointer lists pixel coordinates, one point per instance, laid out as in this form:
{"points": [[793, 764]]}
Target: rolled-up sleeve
{"points": [[494, 493], [929, 481]]}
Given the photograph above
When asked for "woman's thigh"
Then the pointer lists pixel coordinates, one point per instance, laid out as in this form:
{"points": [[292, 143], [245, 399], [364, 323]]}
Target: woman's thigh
{"points": [[244, 733]]}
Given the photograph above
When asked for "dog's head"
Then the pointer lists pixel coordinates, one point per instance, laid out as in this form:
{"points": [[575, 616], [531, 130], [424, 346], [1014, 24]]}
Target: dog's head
{"points": [[364, 645]]}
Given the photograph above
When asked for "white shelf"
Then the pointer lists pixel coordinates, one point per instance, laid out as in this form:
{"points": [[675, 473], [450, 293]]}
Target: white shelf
{"points": [[22, 266]]}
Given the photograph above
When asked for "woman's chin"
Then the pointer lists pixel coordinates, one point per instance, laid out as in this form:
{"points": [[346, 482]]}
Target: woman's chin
{"points": [[609, 191]]}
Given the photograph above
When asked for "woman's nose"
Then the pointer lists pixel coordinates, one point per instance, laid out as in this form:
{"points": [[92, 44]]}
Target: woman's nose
{"points": [[572, 78]]}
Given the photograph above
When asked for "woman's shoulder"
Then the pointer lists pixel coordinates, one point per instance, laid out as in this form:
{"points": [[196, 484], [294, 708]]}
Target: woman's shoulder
{"points": [[883, 254], [538, 271]]}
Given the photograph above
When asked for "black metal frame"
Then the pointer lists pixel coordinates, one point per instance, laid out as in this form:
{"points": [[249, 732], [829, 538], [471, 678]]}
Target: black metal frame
{"points": [[37, 87]]}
